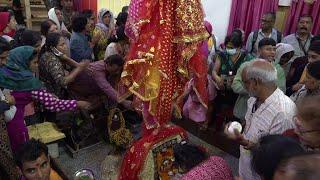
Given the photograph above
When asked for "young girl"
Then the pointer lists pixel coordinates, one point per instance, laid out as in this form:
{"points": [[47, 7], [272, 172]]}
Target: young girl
{"points": [[194, 108]]}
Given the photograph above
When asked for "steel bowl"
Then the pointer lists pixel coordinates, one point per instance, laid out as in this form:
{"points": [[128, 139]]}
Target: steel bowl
{"points": [[84, 174]]}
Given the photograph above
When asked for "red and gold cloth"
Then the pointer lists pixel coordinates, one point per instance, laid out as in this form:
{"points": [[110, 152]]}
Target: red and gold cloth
{"points": [[134, 159], [165, 40]]}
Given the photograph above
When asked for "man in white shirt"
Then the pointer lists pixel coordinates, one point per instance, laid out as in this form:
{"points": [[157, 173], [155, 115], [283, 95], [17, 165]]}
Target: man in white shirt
{"points": [[302, 38], [270, 111]]}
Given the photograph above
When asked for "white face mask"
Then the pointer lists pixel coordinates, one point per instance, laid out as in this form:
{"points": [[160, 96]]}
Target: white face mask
{"points": [[231, 52], [252, 94]]}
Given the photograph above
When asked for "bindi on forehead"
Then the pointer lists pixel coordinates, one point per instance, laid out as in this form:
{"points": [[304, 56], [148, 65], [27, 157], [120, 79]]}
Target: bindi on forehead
{"points": [[40, 160], [31, 164]]}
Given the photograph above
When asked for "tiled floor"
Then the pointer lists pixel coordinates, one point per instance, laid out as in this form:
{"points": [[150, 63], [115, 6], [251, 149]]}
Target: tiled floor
{"points": [[93, 157], [90, 159], [231, 160]]}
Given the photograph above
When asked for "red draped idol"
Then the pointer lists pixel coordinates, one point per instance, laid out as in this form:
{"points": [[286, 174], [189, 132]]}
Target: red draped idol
{"points": [[135, 159], [166, 38]]}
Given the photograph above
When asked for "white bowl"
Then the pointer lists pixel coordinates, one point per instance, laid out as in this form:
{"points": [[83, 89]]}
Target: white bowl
{"points": [[234, 126]]}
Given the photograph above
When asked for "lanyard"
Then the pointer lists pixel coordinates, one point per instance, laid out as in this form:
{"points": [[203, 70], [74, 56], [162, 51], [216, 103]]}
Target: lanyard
{"points": [[233, 64], [303, 47]]}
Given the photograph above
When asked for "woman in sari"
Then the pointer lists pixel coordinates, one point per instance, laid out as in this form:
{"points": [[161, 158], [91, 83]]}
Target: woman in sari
{"points": [[228, 62], [18, 76], [104, 29], [52, 68], [226, 65], [55, 15]]}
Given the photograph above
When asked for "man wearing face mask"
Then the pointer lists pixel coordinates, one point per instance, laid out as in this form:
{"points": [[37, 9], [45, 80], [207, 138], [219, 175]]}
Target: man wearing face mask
{"points": [[270, 111], [226, 65], [301, 39], [267, 31]]}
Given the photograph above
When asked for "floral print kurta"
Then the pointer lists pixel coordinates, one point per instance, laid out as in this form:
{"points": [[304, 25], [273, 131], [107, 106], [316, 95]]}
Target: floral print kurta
{"points": [[102, 43]]}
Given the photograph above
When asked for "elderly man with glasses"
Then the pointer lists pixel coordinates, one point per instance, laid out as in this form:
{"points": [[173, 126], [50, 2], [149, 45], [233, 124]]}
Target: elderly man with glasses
{"points": [[270, 111], [267, 30]]}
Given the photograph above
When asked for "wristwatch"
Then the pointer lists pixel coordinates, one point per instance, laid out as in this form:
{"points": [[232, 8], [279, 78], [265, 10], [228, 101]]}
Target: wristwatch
{"points": [[5, 100]]}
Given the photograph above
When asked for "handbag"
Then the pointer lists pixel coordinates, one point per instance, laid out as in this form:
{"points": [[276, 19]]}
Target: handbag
{"points": [[118, 133]]}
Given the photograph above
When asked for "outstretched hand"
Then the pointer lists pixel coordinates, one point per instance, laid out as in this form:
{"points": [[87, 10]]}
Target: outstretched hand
{"points": [[237, 136], [84, 105], [84, 64]]}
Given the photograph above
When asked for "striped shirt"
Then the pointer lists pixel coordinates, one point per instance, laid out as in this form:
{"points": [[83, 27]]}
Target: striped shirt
{"points": [[274, 116], [302, 93]]}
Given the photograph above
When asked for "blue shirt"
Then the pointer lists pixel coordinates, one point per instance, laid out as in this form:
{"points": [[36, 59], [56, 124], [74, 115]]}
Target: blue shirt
{"points": [[79, 47]]}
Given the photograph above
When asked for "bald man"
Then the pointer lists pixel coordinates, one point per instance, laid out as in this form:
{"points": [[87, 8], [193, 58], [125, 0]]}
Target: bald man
{"points": [[269, 111], [300, 167]]}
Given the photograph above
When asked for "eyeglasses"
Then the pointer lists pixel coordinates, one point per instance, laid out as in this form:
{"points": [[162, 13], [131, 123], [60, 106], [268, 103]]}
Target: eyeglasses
{"points": [[266, 21], [300, 129]]}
